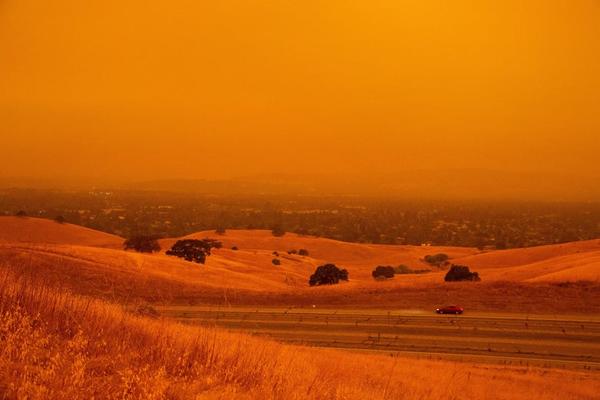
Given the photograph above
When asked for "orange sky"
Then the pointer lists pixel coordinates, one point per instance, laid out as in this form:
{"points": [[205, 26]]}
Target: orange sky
{"points": [[194, 89]]}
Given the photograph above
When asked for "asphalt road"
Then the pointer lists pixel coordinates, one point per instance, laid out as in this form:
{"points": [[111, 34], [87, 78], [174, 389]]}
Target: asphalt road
{"points": [[515, 339]]}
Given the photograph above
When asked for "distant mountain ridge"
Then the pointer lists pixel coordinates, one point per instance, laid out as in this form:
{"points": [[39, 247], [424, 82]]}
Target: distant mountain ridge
{"points": [[452, 184]]}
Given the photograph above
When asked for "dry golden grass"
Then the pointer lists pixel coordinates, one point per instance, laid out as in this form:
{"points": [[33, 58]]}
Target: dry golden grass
{"points": [[121, 276], [56, 345], [39, 230], [250, 268], [513, 280]]}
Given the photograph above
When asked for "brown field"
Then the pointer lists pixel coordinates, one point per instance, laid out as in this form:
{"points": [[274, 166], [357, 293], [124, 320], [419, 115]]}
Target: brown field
{"points": [[61, 346], [547, 279], [87, 344]]}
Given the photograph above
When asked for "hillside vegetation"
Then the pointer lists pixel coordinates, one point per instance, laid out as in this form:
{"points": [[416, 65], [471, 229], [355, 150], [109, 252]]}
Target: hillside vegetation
{"points": [[61, 346], [562, 278]]}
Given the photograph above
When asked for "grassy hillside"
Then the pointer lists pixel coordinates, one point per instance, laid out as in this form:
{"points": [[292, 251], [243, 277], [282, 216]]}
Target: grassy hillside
{"points": [[61, 346], [576, 261], [562, 278], [38, 230]]}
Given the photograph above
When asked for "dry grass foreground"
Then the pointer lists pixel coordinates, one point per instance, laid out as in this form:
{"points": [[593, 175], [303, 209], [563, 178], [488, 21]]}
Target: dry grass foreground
{"points": [[56, 345]]}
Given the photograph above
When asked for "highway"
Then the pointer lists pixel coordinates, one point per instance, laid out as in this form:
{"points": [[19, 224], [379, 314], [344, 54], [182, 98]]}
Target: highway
{"points": [[515, 339]]}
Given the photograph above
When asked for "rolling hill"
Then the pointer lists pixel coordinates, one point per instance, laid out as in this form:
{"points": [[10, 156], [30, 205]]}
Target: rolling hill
{"points": [[565, 262], [38, 230], [93, 263]]}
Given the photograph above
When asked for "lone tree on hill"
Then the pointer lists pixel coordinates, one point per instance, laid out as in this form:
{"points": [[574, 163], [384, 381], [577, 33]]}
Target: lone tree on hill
{"points": [[461, 273], [328, 274], [194, 250], [383, 272], [142, 244]]}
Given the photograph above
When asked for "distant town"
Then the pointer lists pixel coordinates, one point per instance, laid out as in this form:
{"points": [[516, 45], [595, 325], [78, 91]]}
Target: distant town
{"points": [[481, 224]]}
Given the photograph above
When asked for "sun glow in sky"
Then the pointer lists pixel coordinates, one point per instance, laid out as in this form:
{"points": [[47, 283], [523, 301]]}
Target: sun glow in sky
{"points": [[209, 89]]}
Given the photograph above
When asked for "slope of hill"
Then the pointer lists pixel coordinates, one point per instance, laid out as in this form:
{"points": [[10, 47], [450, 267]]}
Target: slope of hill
{"points": [[568, 268], [60, 346], [248, 276], [38, 230], [360, 259], [529, 255], [575, 261]]}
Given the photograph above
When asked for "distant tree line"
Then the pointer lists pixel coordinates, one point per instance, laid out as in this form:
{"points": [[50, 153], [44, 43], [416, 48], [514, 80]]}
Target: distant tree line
{"points": [[480, 224]]}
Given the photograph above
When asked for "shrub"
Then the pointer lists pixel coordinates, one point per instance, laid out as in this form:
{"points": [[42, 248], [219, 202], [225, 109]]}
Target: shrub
{"points": [[142, 244], [461, 273], [436, 259], [404, 269], [276, 261], [292, 251], [60, 219], [21, 214], [193, 249], [383, 272], [220, 230], [328, 274], [234, 248], [303, 252]]}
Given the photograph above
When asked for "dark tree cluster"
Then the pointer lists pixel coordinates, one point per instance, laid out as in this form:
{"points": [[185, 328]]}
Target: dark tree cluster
{"points": [[300, 252], [194, 250], [383, 272], [461, 273], [142, 244], [328, 274]]}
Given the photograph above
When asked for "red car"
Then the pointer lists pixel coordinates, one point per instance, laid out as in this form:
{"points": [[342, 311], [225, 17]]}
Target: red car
{"points": [[450, 310]]}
